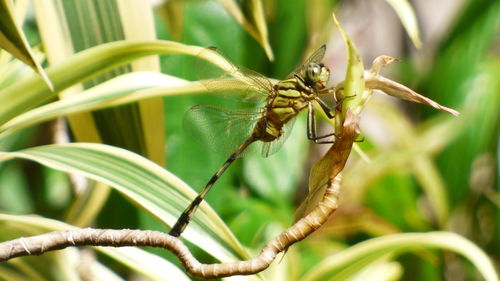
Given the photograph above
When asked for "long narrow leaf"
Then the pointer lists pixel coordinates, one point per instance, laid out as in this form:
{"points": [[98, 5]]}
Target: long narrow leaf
{"points": [[252, 20], [13, 40], [354, 84], [371, 250], [81, 67], [408, 18], [145, 183]]}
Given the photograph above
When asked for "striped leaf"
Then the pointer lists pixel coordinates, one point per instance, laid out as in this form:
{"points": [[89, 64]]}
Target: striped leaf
{"points": [[148, 185], [14, 41], [348, 262]]}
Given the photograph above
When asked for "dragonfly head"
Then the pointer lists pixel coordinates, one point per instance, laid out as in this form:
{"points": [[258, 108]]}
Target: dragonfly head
{"points": [[317, 75]]}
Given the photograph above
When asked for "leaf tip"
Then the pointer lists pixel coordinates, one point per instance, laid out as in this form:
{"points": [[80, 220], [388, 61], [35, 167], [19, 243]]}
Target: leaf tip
{"points": [[269, 52], [381, 61], [45, 77]]}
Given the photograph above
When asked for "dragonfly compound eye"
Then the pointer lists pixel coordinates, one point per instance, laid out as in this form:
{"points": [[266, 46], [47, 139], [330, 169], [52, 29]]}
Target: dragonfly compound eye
{"points": [[313, 72], [324, 75]]}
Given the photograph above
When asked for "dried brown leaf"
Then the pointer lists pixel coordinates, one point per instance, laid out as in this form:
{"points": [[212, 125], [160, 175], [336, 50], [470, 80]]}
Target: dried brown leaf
{"points": [[330, 165], [400, 91], [379, 62]]}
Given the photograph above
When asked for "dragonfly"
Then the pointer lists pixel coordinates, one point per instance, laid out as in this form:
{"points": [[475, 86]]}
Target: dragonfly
{"points": [[263, 128]]}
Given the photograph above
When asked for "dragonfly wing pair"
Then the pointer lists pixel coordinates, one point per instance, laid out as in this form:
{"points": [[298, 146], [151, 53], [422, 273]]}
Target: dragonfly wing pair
{"points": [[223, 130], [215, 70]]}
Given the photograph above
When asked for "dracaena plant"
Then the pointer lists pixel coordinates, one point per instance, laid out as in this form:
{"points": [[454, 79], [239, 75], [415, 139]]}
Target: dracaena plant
{"points": [[165, 195]]}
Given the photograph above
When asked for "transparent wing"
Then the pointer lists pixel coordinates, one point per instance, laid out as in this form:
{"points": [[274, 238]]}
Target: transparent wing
{"points": [[316, 57], [269, 148], [221, 129], [221, 76]]}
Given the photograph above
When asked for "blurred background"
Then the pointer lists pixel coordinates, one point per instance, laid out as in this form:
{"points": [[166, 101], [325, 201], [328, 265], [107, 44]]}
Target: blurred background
{"points": [[417, 170]]}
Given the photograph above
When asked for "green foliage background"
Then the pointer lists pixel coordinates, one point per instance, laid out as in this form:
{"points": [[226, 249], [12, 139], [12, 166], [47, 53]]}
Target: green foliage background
{"points": [[436, 173]]}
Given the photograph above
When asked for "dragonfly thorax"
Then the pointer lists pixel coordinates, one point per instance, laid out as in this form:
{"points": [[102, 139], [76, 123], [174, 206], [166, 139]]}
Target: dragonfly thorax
{"points": [[317, 75]]}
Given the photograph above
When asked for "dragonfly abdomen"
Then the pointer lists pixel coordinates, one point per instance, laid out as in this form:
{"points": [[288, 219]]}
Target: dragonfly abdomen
{"points": [[270, 126], [267, 131]]}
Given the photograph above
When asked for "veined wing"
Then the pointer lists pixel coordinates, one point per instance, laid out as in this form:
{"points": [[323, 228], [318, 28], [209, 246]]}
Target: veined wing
{"points": [[221, 76], [268, 148], [221, 129], [316, 57]]}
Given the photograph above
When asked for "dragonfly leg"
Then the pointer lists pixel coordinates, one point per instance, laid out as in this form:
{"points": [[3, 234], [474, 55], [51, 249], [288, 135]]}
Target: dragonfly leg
{"points": [[328, 91], [339, 95], [327, 110], [311, 126], [185, 217]]}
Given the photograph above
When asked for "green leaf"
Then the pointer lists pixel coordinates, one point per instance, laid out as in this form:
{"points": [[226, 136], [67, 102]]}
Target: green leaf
{"points": [[156, 190], [407, 16], [472, 83], [67, 29], [289, 35], [118, 91], [80, 67], [172, 14], [252, 19], [394, 198], [275, 178], [354, 84], [14, 200], [347, 262], [13, 40], [379, 271]]}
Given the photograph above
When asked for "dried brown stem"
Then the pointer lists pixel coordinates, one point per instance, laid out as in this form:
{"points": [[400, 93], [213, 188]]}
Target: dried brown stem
{"points": [[328, 168], [39, 244], [401, 91]]}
